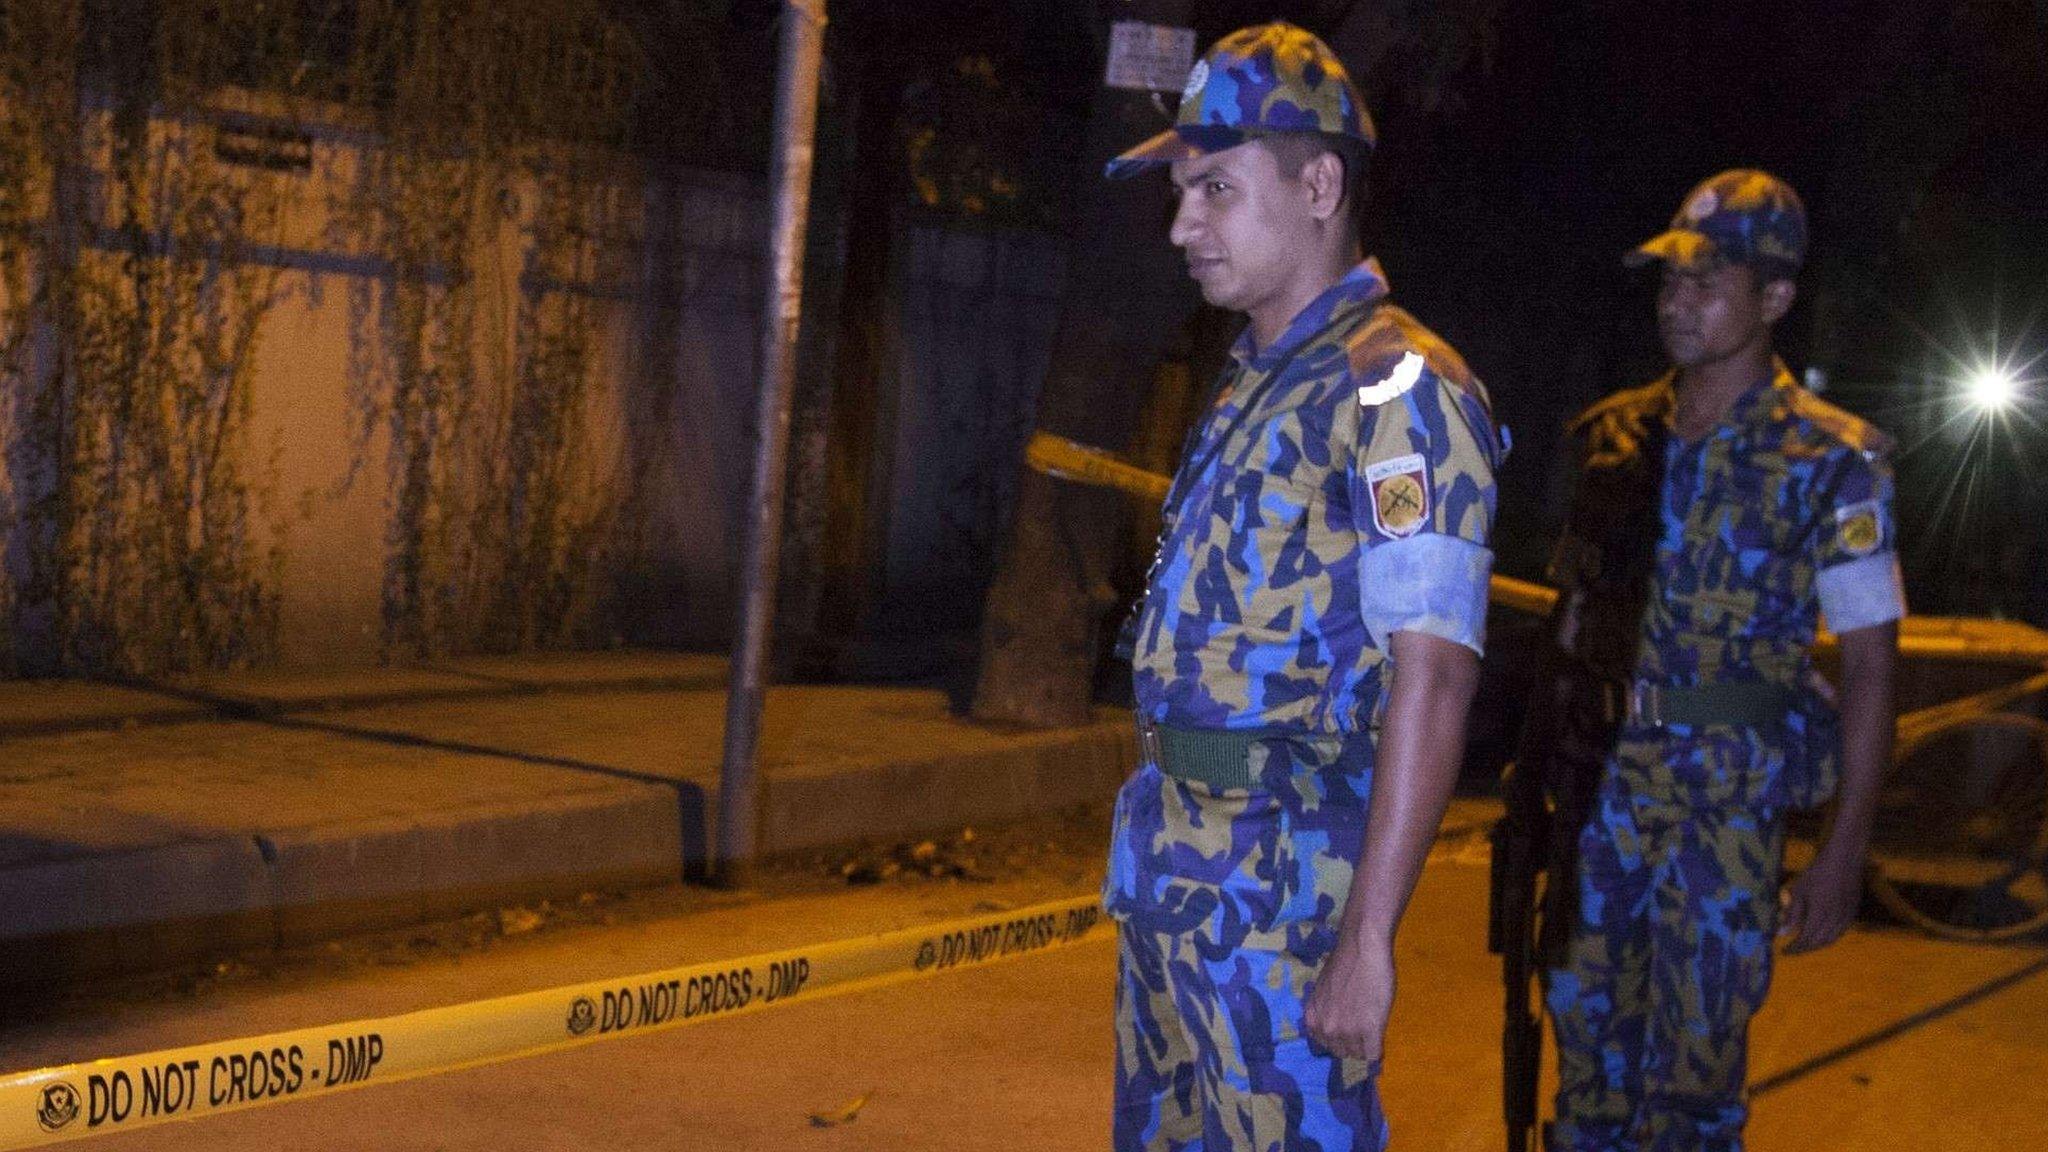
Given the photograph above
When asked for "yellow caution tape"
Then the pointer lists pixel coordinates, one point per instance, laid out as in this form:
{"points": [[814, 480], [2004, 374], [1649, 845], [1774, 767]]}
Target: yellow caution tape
{"points": [[72, 1101]]}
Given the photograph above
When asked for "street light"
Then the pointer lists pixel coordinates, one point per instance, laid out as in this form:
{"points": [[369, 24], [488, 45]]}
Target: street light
{"points": [[1991, 387]]}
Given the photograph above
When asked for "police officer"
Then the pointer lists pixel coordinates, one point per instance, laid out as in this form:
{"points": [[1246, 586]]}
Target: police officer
{"points": [[1762, 508], [1308, 641]]}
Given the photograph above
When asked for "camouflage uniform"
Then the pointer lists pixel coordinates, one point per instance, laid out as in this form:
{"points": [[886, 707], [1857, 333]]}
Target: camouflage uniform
{"points": [[1354, 498], [1783, 511]]}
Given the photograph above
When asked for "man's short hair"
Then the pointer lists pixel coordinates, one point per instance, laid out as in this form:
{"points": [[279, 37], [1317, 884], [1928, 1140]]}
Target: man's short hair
{"points": [[1293, 151]]}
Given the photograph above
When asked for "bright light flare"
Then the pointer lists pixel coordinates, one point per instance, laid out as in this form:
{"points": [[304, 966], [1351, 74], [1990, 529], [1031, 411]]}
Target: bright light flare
{"points": [[1991, 388]]}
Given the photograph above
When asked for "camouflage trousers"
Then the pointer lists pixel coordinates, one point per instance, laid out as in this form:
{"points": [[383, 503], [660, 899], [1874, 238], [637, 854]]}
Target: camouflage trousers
{"points": [[1229, 902], [1669, 959]]}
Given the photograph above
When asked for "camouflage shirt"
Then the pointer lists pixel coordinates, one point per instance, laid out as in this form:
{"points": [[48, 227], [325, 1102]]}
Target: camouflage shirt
{"points": [[1354, 499], [1782, 512]]}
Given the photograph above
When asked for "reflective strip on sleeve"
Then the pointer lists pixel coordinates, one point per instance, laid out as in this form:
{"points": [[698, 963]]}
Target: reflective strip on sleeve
{"points": [[1431, 583], [1862, 592]]}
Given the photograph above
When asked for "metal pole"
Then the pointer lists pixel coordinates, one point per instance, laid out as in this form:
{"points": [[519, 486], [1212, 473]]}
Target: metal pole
{"points": [[796, 121]]}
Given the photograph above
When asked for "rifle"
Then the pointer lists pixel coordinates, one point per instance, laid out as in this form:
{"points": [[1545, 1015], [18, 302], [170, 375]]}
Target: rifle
{"points": [[1547, 790], [1521, 841], [1569, 728]]}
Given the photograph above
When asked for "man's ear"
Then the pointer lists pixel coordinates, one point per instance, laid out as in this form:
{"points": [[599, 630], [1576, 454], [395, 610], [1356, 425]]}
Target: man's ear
{"points": [[1323, 178], [1778, 296]]}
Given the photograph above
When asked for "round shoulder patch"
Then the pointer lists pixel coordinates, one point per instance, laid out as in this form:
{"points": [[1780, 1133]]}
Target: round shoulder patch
{"points": [[1857, 528]]}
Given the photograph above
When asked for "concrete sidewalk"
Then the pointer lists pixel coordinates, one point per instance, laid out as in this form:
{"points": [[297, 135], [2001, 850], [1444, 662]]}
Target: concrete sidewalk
{"points": [[142, 827], [148, 826], [42, 707]]}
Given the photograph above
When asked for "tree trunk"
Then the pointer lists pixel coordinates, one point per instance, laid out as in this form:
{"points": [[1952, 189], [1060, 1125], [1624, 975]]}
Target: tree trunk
{"points": [[1125, 300]]}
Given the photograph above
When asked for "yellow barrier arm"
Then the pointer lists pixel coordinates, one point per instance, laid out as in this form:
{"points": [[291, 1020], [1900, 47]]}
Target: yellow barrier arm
{"points": [[1070, 460]]}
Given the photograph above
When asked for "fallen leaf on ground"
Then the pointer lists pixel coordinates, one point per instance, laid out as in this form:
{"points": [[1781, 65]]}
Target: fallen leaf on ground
{"points": [[513, 921], [845, 1115]]}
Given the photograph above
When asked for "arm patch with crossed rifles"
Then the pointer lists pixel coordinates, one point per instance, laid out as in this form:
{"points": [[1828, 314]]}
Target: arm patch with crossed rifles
{"points": [[1400, 494]]}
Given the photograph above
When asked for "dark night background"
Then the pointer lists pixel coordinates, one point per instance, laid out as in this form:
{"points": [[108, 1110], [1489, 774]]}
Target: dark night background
{"points": [[1525, 145], [970, 277]]}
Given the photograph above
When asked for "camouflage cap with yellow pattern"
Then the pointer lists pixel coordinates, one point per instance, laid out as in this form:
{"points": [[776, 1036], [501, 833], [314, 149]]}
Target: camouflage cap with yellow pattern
{"points": [[1742, 216], [1256, 81]]}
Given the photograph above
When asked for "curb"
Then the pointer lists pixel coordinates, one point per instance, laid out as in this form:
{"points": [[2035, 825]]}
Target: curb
{"points": [[96, 916], [92, 917], [1041, 773], [93, 706]]}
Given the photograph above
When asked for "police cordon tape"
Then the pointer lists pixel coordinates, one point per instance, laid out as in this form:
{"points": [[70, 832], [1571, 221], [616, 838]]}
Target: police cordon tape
{"points": [[72, 1101]]}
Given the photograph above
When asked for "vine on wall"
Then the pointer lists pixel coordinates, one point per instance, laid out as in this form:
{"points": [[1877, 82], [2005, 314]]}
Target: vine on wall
{"points": [[492, 118], [141, 532], [140, 535]]}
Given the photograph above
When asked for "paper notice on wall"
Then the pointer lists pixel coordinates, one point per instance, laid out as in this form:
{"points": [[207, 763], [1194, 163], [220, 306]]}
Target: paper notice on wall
{"points": [[1149, 57]]}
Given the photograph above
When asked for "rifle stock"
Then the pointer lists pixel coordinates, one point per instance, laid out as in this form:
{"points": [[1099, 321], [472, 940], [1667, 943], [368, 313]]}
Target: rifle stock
{"points": [[1521, 847]]}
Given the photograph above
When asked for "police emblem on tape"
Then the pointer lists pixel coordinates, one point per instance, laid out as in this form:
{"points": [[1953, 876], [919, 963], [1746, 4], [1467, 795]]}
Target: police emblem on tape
{"points": [[1858, 528], [58, 1106], [1400, 494], [582, 1016]]}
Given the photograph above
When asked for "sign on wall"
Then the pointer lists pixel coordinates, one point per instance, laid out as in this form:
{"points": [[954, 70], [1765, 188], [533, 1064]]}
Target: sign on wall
{"points": [[1149, 57]]}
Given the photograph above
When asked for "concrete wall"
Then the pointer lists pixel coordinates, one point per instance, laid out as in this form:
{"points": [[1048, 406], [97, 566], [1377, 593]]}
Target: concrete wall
{"points": [[978, 309], [977, 314], [670, 391], [705, 270], [671, 415], [671, 411]]}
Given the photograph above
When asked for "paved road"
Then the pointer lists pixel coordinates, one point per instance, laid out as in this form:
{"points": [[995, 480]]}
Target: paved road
{"points": [[1887, 1041]]}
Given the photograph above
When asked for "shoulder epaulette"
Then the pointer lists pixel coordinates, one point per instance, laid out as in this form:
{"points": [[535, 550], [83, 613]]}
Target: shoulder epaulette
{"points": [[1630, 404], [1839, 425], [1377, 346]]}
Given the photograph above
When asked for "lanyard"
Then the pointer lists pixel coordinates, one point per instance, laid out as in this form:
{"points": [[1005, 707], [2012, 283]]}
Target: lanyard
{"points": [[1192, 466], [1193, 440]]}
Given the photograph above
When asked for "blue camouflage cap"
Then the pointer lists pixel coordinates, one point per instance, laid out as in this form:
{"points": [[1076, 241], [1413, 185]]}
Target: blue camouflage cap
{"points": [[1742, 216], [1264, 79]]}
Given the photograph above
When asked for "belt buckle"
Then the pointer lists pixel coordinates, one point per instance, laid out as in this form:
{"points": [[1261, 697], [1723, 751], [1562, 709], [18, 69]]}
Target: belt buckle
{"points": [[1148, 744], [1646, 704]]}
